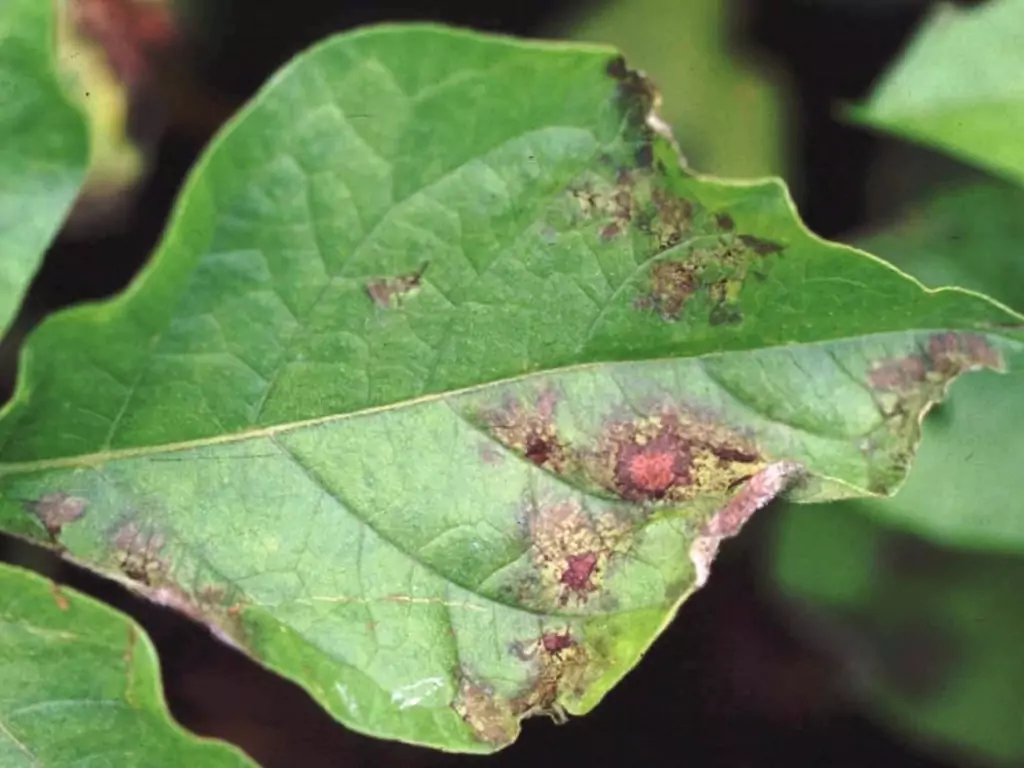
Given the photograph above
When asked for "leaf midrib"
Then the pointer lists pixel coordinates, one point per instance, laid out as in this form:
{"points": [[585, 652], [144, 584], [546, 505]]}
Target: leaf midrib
{"points": [[101, 457]]}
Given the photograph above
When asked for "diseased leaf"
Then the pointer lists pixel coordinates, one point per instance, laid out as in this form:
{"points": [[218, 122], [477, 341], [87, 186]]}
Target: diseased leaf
{"points": [[727, 110], [929, 637], [43, 148], [447, 381], [958, 86], [79, 685], [966, 486], [931, 634]]}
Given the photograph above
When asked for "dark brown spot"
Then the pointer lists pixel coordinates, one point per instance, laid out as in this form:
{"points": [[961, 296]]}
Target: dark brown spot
{"points": [[728, 453], [724, 314], [759, 246], [387, 292], [610, 231], [617, 68], [563, 667], [673, 219], [644, 157], [672, 285], [725, 222], [539, 449], [637, 96]]}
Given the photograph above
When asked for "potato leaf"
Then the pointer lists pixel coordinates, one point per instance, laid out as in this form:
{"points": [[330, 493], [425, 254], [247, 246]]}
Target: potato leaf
{"points": [[447, 381]]}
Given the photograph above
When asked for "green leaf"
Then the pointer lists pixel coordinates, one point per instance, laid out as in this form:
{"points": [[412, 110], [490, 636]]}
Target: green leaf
{"points": [[43, 148], [930, 638], [958, 87], [446, 382], [79, 684]]}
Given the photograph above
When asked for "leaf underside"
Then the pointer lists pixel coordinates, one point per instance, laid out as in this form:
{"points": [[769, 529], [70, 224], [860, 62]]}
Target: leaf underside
{"points": [[447, 380]]}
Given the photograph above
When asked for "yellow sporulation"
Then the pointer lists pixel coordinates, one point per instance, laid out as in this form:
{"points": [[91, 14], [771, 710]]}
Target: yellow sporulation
{"points": [[530, 431], [712, 475], [706, 458], [138, 552], [571, 550], [560, 667], [561, 670]]}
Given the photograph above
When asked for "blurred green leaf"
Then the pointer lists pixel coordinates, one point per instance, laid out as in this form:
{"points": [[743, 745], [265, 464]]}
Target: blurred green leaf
{"points": [[968, 235], [447, 380], [725, 105], [79, 685], [43, 148], [929, 637], [959, 86]]}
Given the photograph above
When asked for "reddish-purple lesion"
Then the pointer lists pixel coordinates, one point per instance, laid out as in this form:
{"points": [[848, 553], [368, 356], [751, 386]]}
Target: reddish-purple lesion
{"points": [[944, 356]]}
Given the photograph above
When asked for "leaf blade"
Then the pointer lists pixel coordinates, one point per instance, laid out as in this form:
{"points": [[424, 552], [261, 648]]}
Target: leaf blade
{"points": [[447, 437]]}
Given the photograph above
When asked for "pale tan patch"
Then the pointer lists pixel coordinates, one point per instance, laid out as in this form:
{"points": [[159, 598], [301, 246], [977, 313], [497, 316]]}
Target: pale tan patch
{"points": [[729, 519], [490, 716]]}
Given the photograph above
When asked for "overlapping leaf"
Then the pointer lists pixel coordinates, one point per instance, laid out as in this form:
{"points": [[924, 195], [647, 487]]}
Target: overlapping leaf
{"points": [[79, 685], [958, 86], [446, 381], [43, 148]]}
